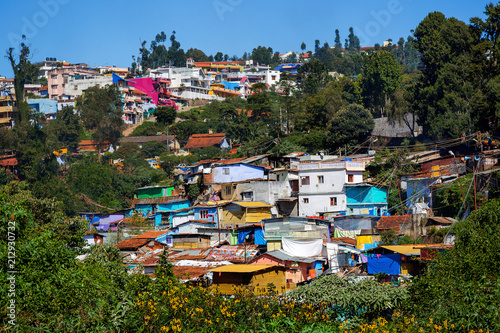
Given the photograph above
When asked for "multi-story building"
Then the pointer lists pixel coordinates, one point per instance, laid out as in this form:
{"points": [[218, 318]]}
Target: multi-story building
{"points": [[322, 186], [8, 111], [77, 84], [59, 77]]}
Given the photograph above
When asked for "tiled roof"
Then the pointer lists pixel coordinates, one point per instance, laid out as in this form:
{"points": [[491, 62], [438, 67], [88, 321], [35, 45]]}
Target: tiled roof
{"points": [[132, 243], [346, 240], [90, 145], [392, 222], [8, 160], [205, 161], [230, 161], [204, 140]]}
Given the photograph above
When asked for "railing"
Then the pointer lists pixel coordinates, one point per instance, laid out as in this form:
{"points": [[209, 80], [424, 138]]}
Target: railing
{"points": [[350, 165]]}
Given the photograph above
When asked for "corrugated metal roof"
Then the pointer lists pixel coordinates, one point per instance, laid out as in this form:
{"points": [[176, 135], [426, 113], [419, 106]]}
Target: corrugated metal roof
{"points": [[242, 268], [252, 204], [403, 249], [281, 255], [151, 234]]}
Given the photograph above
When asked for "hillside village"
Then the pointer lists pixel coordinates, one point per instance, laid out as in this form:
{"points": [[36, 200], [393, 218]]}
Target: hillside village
{"points": [[311, 214], [258, 177]]}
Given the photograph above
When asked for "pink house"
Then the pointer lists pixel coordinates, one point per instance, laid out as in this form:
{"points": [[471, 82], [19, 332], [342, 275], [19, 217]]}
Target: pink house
{"points": [[57, 79], [299, 269]]}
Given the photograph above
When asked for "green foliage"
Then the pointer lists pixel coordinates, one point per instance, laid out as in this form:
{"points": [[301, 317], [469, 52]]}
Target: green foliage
{"points": [[153, 148], [350, 300], [449, 198], [147, 128], [101, 112], [406, 240], [66, 128], [350, 126], [165, 115], [388, 237], [461, 286]]}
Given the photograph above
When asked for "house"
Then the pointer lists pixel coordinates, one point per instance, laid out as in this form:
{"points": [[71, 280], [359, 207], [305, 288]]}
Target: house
{"points": [[192, 226], [186, 83], [250, 234], [393, 260], [159, 236], [321, 186], [300, 269], [353, 225], [392, 222], [242, 212], [76, 85], [58, 78], [340, 257], [279, 230], [218, 140], [237, 172], [255, 278], [8, 163], [154, 192], [189, 240], [169, 140], [93, 146], [437, 223], [136, 244], [180, 216], [8, 110], [164, 211], [46, 106], [366, 199]]}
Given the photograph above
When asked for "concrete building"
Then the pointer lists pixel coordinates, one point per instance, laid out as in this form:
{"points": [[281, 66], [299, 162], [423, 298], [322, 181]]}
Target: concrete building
{"points": [[58, 79], [321, 186], [8, 110], [77, 84]]}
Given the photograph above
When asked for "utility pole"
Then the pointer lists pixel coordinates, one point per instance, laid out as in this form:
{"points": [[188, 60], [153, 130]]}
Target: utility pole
{"points": [[458, 175], [474, 178]]}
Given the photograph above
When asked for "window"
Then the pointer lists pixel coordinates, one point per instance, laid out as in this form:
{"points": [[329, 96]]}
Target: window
{"points": [[54, 86], [333, 201], [228, 190], [278, 177], [225, 171], [204, 214], [321, 180], [304, 180], [305, 200], [273, 77], [350, 178], [53, 76]]}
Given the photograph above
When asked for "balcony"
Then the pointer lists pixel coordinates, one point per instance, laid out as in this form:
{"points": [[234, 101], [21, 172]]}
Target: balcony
{"points": [[348, 165], [7, 109]]}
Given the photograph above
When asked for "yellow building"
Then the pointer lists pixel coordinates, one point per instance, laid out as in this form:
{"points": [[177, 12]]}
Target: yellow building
{"points": [[252, 277], [218, 89], [242, 212], [8, 110]]}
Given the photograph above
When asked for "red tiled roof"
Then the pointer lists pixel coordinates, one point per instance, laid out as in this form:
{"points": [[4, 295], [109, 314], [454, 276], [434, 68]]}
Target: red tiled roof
{"points": [[8, 160], [204, 140], [347, 240], [392, 222], [230, 161], [151, 234], [132, 243], [205, 161], [189, 272], [90, 145]]}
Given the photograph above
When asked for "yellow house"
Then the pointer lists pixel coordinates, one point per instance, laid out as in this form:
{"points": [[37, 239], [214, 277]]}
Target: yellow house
{"points": [[242, 212], [252, 277]]}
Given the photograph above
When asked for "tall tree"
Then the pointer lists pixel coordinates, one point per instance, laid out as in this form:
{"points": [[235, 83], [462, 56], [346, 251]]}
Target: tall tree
{"points": [[312, 76], [338, 43], [353, 42], [67, 127], [101, 112], [382, 77]]}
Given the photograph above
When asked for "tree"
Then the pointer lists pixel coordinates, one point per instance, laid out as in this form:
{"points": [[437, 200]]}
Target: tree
{"points": [[165, 115], [23, 72], [101, 112], [353, 42], [350, 126], [262, 55], [338, 43], [388, 237], [303, 47], [460, 286], [312, 76], [382, 77], [67, 127], [197, 55], [218, 56]]}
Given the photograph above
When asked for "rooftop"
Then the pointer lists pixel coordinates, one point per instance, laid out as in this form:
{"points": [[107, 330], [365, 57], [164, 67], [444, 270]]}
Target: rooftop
{"points": [[204, 140]]}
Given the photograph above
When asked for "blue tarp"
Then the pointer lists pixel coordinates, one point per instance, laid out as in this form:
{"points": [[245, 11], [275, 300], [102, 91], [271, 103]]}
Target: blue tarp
{"points": [[389, 264], [259, 237], [242, 234]]}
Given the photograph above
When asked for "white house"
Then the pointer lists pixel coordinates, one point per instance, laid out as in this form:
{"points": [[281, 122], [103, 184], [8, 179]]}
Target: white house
{"points": [[321, 186]]}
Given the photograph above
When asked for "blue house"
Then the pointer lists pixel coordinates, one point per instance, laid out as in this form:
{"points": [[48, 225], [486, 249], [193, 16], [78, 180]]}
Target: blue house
{"points": [[164, 211], [236, 173], [206, 212], [46, 106], [366, 199]]}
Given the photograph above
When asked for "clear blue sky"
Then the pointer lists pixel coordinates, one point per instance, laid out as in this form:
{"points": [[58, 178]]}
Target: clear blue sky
{"points": [[108, 32]]}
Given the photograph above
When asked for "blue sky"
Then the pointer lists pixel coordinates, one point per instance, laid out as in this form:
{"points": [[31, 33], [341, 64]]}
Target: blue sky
{"points": [[108, 32]]}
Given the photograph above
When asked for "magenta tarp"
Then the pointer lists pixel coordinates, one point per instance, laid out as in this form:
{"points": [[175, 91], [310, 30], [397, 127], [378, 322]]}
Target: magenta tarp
{"points": [[145, 85]]}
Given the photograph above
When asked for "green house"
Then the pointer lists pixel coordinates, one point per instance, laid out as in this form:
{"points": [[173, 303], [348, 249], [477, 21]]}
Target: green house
{"points": [[154, 192]]}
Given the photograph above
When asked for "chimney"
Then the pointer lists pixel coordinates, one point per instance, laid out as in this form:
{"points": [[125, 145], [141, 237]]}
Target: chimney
{"points": [[210, 131]]}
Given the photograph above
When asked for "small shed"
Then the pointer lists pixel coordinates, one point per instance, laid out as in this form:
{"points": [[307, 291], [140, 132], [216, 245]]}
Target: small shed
{"points": [[253, 277], [190, 241], [238, 213]]}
